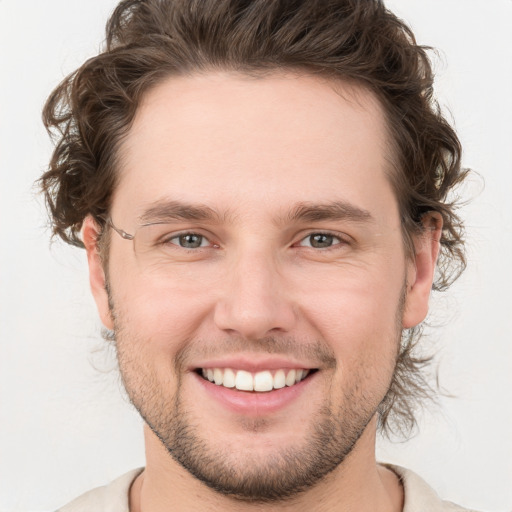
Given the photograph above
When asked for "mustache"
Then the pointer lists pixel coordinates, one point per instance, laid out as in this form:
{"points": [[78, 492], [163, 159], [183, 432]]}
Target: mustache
{"points": [[317, 353]]}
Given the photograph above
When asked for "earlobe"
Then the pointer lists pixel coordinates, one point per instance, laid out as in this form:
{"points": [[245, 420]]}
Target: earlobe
{"points": [[421, 270], [97, 278]]}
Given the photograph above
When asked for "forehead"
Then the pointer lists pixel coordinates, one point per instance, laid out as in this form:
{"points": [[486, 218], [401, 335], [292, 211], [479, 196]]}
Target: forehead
{"points": [[258, 144]]}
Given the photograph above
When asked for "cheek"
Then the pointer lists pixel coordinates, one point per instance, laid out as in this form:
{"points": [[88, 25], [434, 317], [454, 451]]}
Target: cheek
{"points": [[364, 336], [154, 323], [163, 312], [358, 315]]}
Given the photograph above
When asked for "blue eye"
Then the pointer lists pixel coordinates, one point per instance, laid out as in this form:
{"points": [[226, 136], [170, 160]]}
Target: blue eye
{"points": [[320, 241], [189, 241]]}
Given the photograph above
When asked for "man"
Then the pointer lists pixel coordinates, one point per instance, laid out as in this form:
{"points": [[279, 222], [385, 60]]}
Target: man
{"points": [[261, 188]]}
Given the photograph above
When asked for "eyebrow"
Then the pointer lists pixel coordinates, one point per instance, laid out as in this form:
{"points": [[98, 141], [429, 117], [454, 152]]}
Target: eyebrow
{"points": [[335, 210], [168, 211]]}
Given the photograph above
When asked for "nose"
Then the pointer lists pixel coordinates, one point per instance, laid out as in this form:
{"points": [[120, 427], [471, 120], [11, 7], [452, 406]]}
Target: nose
{"points": [[255, 301]]}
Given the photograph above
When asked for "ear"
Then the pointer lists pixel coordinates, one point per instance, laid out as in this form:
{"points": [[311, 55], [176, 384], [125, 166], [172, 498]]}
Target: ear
{"points": [[420, 273], [97, 279]]}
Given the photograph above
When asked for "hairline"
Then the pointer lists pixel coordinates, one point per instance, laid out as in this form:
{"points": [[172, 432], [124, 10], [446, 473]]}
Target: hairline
{"points": [[392, 167]]}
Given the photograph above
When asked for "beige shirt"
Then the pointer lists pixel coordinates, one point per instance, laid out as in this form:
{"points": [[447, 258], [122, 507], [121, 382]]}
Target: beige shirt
{"points": [[419, 497]]}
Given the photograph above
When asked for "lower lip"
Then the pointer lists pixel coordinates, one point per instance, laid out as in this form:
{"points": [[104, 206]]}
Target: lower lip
{"points": [[252, 403]]}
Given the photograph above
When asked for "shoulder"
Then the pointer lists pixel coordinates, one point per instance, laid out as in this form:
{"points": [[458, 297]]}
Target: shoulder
{"points": [[108, 498], [419, 496]]}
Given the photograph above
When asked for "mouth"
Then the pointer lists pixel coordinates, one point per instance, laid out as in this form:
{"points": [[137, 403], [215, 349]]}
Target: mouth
{"points": [[257, 382]]}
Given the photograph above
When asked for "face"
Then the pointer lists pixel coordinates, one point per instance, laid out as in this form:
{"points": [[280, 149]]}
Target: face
{"points": [[276, 261]]}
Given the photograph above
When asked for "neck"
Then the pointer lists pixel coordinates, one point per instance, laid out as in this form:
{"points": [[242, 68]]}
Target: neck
{"points": [[358, 483]]}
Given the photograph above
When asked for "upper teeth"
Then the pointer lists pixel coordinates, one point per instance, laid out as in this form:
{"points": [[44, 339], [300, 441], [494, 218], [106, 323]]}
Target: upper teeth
{"points": [[260, 381]]}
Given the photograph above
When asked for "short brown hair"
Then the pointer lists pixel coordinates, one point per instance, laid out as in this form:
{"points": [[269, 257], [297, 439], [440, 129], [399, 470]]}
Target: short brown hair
{"points": [[91, 111]]}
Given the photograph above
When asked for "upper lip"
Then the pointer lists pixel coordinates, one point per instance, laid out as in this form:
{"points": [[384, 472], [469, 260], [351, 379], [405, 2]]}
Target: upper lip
{"points": [[253, 363]]}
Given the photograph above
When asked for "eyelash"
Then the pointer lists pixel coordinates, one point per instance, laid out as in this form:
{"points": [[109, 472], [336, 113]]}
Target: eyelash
{"points": [[167, 240], [341, 238]]}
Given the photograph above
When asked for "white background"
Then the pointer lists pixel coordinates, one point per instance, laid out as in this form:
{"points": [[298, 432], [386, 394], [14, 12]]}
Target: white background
{"points": [[64, 426]]}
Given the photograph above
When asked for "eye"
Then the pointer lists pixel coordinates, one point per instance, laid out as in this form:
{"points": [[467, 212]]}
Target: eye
{"points": [[189, 241], [320, 241]]}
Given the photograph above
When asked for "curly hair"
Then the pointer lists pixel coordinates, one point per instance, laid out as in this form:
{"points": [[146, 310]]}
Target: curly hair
{"points": [[361, 41]]}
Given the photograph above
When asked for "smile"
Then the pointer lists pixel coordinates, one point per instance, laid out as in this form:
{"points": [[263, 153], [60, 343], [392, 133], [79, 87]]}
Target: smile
{"points": [[262, 381]]}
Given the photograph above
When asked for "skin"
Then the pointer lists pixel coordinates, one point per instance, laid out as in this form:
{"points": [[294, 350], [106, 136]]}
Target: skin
{"points": [[252, 149]]}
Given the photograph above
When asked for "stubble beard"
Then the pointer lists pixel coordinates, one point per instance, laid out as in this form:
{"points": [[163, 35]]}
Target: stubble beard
{"points": [[329, 439]]}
